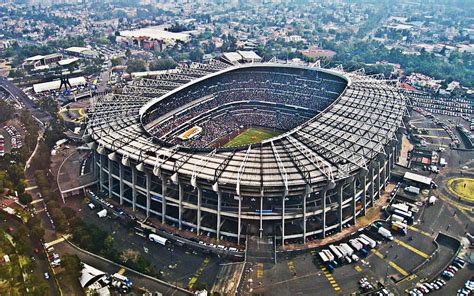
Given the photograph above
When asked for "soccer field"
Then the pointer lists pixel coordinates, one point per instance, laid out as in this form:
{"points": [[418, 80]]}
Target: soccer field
{"points": [[251, 136]]}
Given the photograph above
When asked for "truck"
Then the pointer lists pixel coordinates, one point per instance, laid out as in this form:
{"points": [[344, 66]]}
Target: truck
{"points": [[157, 239], [328, 254], [412, 189], [336, 252], [356, 244], [397, 218], [344, 253], [371, 242], [347, 249], [102, 214], [385, 233], [399, 227], [407, 215], [442, 162], [323, 257], [400, 206]]}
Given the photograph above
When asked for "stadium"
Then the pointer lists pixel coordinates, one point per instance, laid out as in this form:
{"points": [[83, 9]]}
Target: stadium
{"points": [[263, 149]]}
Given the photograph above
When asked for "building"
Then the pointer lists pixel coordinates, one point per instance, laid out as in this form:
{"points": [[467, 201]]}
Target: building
{"points": [[82, 52], [241, 56], [41, 61], [157, 33], [317, 53], [319, 176], [55, 85]]}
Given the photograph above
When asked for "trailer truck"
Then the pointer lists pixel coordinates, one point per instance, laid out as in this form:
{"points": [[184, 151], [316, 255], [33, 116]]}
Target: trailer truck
{"points": [[336, 252], [397, 218], [400, 227], [371, 242], [385, 233]]}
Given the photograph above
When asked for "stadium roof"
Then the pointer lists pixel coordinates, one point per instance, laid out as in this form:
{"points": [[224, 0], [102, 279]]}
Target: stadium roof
{"points": [[53, 85], [343, 139]]}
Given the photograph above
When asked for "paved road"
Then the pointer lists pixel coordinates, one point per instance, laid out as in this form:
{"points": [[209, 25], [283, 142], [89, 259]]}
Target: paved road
{"points": [[16, 92]]}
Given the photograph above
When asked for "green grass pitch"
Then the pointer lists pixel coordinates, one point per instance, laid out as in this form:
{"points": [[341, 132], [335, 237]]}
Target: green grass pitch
{"points": [[251, 136]]}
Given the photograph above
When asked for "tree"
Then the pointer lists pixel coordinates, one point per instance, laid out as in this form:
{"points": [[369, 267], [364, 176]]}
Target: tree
{"points": [[6, 111], [196, 55], [73, 266], [25, 198], [116, 61], [136, 65], [163, 64]]}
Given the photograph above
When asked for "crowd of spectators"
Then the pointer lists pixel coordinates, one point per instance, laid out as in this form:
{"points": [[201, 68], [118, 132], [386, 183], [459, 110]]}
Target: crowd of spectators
{"points": [[225, 123], [310, 91], [298, 89]]}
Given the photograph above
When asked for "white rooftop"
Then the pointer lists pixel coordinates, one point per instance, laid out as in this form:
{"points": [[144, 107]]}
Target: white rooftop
{"points": [[52, 85], [68, 61], [88, 272], [232, 56], [417, 178], [249, 55], [155, 32]]}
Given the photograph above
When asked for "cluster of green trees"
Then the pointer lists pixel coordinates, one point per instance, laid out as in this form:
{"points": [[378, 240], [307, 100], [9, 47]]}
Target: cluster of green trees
{"points": [[455, 66], [12, 272], [6, 111], [12, 164], [163, 64]]}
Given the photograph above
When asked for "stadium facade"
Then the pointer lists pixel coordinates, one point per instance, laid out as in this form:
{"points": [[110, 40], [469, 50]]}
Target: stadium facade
{"points": [[340, 137]]}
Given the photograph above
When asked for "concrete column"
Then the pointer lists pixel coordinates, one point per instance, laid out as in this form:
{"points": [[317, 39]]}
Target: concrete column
{"points": [[323, 196], [377, 179], [261, 217], [101, 172], [180, 205], [283, 221], [163, 199], [384, 174], [122, 173], [94, 164], [354, 203], [198, 218], [372, 186], [109, 167], [305, 196], [239, 220], [219, 204], [134, 188], [339, 205], [394, 155], [364, 193], [148, 195]]}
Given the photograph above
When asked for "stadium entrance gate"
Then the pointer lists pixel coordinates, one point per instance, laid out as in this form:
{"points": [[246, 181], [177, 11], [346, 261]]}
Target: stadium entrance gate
{"points": [[260, 249]]}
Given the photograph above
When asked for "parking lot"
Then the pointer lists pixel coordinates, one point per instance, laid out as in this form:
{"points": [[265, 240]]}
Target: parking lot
{"points": [[385, 264], [179, 265]]}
